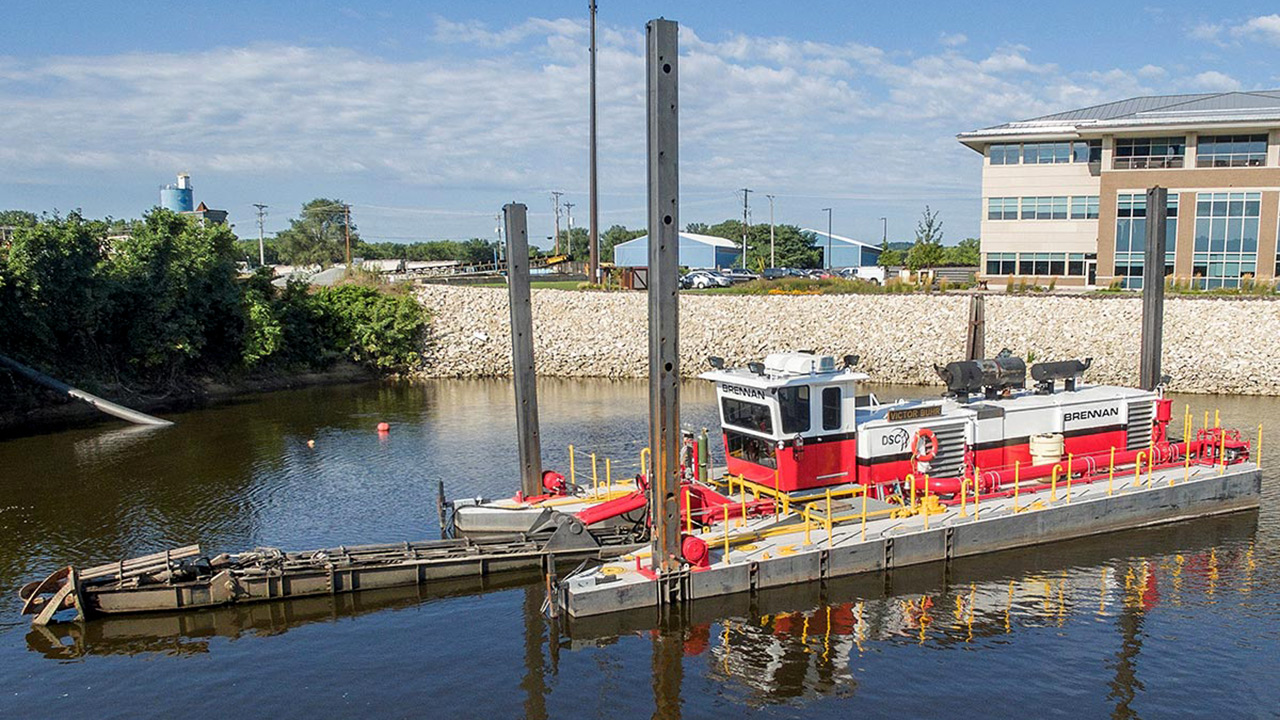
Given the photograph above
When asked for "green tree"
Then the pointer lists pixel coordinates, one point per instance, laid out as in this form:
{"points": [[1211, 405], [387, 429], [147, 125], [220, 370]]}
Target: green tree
{"points": [[318, 237], [927, 252], [174, 296], [56, 297], [966, 254], [615, 235]]}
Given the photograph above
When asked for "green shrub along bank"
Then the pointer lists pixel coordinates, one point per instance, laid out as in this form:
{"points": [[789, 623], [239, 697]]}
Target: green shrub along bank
{"points": [[163, 306]]}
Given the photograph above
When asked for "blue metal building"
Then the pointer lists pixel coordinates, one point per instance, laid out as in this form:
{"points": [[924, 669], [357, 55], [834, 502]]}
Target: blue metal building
{"points": [[696, 251], [845, 252]]}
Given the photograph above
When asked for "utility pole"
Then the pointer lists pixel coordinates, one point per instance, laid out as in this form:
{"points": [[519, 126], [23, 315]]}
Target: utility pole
{"points": [[568, 238], [773, 261], [828, 257], [555, 203], [497, 251], [346, 229], [745, 208], [593, 195], [262, 252]]}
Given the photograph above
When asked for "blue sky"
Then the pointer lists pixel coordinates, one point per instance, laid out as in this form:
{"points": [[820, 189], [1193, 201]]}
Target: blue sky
{"points": [[427, 117]]}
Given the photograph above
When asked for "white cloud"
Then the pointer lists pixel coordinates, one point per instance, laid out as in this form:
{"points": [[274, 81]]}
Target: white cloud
{"points": [[953, 39], [1212, 80], [505, 109], [1264, 27]]}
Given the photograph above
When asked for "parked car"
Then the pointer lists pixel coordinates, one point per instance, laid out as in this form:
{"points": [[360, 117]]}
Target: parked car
{"points": [[739, 275], [704, 279], [778, 273]]}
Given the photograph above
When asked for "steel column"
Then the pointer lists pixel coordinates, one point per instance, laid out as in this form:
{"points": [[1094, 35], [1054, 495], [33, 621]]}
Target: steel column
{"points": [[664, 299], [522, 367], [976, 337], [1153, 288]]}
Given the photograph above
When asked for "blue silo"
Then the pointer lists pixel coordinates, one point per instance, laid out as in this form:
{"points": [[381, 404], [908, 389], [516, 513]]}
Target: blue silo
{"points": [[178, 198]]}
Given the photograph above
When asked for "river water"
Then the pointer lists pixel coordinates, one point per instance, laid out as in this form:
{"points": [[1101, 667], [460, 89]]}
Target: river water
{"points": [[1180, 620]]}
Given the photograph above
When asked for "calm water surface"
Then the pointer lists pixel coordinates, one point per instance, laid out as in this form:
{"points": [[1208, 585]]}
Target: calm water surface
{"points": [[1182, 620]]}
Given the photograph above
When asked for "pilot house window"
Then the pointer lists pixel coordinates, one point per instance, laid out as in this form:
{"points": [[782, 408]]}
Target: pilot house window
{"points": [[831, 408], [794, 403], [747, 415]]}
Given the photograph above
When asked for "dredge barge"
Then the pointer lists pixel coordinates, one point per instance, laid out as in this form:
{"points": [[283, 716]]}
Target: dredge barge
{"points": [[823, 480]]}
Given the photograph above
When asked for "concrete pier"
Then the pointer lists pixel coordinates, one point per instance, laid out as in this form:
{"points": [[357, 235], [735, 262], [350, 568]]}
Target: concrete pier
{"points": [[783, 557]]}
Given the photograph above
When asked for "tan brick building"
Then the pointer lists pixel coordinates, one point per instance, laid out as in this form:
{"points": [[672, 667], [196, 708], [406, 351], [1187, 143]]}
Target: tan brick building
{"points": [[1063, 196]]}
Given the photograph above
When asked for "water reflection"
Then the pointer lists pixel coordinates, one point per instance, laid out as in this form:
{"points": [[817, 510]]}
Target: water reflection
{"points": [[1122, 613], [805, 640]]}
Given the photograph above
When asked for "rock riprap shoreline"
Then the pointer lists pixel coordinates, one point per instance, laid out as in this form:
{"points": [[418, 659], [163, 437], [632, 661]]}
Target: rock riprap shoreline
{"points": [[1211, 345]]}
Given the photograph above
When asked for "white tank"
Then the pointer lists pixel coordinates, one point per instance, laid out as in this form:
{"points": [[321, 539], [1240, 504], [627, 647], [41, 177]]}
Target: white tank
{"points": [[1046, 448]]}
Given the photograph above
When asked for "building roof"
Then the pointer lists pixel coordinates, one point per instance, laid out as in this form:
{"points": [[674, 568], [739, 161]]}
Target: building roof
{"points": [[688, 236], [822, 235], [1224, 108]]}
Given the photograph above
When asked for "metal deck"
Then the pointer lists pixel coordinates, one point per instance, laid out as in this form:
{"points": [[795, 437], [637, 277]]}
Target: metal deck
{"points": [[762, 553]]}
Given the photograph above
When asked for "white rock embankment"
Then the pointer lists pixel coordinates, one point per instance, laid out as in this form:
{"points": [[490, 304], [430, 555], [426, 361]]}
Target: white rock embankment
{"points": [[1211, 345]]}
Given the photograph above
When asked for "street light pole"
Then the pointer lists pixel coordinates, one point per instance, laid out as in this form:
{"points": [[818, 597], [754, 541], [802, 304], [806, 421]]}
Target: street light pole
{"points": [[828, 257], [773, 261], [884, 232]]}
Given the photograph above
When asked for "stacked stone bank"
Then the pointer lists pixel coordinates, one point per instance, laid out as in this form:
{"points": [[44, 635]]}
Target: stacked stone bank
{"points": [[1211, 345]]}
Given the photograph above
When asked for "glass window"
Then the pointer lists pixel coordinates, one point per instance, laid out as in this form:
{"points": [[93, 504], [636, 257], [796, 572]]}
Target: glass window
{"points": [[1005, 154], [1145, 153], [1131, 236], [831, 408], [1231, 151], [747, 415], [1002, 208], [751, 449], [1002, 263], [794, 402], [1075, 264], [1086, 151], [1226, 243]]}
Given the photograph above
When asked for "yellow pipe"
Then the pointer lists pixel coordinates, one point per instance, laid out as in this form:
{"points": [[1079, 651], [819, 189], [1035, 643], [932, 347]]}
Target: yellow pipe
{"points": [[913, 491], [572, 477], [644, 464], [806, 526], [726, 541], [688, 512], [977, 490], [608, 476], [1222, 455], [1140, 458], [1017, 481], [1111, 471], [595, 477], [964, 482], [743, 490], [1217, 418], [864, 516], [1053, 484], [828, 519], [1070, 457]]}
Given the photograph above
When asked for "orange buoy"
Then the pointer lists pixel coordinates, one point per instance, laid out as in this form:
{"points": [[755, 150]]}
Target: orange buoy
{"points": [[384, 427]]}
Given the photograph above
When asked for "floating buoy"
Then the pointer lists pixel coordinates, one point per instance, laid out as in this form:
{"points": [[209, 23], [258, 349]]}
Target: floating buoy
{"points": [[311, 443], [384, 427]]}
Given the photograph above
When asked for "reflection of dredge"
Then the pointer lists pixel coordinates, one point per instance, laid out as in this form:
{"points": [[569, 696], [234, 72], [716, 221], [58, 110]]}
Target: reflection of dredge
{"points": [[791, 642]]}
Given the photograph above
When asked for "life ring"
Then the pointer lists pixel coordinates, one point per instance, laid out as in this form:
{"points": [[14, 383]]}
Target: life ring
{"points": [[932, 440]]}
